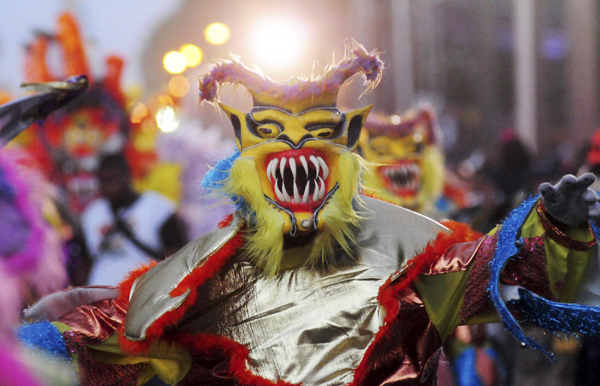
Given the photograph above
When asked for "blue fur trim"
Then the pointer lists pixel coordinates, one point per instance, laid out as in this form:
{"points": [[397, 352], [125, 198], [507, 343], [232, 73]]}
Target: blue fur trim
{"points": [[505, 249], [465, 368], [214, 180], [43, 336], [559, 317]]}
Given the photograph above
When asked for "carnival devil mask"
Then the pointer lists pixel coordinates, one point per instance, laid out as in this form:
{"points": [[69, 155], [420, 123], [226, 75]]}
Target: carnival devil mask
{"points": [[72, 139], [407, 164], [296, 171]]}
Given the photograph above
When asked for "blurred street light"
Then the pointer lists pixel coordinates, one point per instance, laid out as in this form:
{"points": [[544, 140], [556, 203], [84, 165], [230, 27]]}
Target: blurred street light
{"points": [[174, 62], [167, 120], [278, 42], [193, 55], [217, 33], [179, 86]]}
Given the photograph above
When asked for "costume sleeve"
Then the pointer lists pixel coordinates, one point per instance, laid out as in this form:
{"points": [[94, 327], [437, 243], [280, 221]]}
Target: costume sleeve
{"points": [[551, 261]]}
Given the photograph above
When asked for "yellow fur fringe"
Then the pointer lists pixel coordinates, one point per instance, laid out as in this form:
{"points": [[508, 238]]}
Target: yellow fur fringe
{"points": [[264, 240]]}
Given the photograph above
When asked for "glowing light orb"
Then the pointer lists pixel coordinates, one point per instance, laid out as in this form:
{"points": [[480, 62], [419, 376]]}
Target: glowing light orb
{"points": [[138, 113], [217, 33], [396, 119], [179, 86], [174, 62], [193, 55], [167, 120], [278, 42]]}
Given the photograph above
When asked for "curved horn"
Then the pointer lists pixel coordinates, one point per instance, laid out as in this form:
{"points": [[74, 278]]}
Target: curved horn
{"points": [[69, 38]]}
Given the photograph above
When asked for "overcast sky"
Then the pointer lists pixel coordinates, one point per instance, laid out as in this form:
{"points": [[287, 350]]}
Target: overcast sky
{"points": [[113, 26]]}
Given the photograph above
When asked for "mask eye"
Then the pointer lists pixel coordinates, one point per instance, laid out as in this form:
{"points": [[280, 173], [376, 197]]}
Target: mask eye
{"points": [[380, 149], [320, 130], [268, 130], [418, 145]]}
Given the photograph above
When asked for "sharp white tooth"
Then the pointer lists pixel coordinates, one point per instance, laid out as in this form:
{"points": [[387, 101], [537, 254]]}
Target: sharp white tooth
{"points": [[293, 167], [285, 193], [271, 169], [282, 166], [278, 192], [305, 164], [316, 163], [306, 196], [322, 188], [274, 168], [324, 167], [297, 197], [316, 193]]}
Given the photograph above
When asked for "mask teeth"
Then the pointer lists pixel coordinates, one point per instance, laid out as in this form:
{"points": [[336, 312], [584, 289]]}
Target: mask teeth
{"points": [[306, 180], [405, 176]]}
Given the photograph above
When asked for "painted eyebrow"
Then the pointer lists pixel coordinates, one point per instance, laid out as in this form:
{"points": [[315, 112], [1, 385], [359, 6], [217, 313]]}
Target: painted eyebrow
{"points": [[263, 108], [320, 125]]}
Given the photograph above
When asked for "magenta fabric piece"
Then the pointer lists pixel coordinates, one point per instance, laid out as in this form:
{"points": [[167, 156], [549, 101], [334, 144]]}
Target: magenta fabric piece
{"points": [[12, 371]]}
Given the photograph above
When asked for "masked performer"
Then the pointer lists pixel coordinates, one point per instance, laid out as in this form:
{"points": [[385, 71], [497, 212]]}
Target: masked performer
{"points": [[407, 164], [303, 284], [406, 167], [71, 142]]}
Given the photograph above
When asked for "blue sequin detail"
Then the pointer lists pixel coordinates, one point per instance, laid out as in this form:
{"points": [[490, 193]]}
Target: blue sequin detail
{"points": [[505, 249], [558, 317], [43, 336]]}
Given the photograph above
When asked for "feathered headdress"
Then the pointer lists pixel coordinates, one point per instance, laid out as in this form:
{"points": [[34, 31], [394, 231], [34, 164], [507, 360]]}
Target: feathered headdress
{"points": [[320, 90], [68, 37]]}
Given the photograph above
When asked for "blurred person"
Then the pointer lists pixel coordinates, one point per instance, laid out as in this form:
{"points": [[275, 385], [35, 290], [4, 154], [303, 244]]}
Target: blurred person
{"points": [[588, 362], [71, 142], [124, 228], [406, 162]]}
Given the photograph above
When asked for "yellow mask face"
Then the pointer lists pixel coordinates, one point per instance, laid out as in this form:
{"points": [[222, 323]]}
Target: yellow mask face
{"points": [[407, 166], [296, 156]]}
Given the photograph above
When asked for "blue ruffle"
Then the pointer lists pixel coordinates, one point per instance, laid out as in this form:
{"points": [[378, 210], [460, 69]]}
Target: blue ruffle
{"points": [[43, 336], [552, 316], [558, 317], [505, 249]]}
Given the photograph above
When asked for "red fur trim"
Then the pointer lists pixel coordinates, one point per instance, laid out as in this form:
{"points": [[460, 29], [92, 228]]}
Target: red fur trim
{"points": [[393, 288], [232, 357], [226, 221], [192, 282], [127, 283]]}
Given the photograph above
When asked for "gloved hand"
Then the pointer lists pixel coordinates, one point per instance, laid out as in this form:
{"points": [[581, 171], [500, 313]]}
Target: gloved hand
{"points": [[571, 201]]}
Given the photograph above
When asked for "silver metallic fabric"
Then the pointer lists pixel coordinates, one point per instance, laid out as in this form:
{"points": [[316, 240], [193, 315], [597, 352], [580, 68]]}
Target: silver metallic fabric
{"points": [[149, 296], [304, 325]]}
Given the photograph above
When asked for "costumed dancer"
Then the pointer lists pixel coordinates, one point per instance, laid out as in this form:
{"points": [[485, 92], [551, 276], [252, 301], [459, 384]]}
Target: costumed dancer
{"points": [[407, 164], [406, 167], [69, 144], [311, 283]]}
